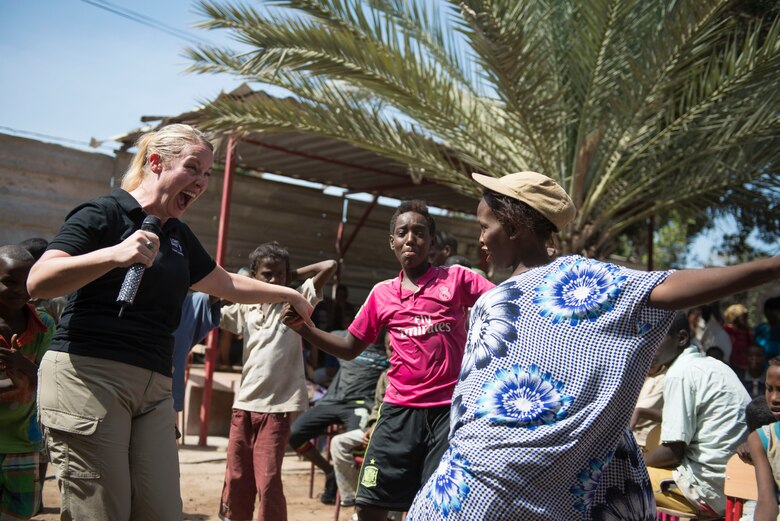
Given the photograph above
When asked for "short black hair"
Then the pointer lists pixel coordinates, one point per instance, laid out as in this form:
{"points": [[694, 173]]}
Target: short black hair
{"points": [[772, 303], [447, 239], [269, 250], [15, 252], [679, 323], [415, 206], [513, 214], [460, 260], [35, 245], [757, 414]]}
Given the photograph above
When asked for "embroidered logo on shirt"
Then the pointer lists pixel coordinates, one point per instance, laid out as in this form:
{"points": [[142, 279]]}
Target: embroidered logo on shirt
{"points": [[444, 293], [370, 472], [176, 246]]}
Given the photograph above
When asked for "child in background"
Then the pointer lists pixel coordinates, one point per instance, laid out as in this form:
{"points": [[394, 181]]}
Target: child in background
{"points": [[444, 247], [764, 444], [36, 246], [757, 414], [754, 376], [24, 336], [425, 311], [273, 386]]}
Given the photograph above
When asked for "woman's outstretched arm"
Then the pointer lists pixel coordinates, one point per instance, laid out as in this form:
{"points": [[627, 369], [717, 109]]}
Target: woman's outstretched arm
{"points": [[687, 288]]}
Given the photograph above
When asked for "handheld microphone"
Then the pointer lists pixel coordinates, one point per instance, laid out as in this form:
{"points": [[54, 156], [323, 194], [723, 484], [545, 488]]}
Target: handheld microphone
{"points": [[136, 271]]}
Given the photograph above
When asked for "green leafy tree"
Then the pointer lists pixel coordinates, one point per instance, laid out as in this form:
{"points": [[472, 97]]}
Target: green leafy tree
{"points": [[637, 108]]}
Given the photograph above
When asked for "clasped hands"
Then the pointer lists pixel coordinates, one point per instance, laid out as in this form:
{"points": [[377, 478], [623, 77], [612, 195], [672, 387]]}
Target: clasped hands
{"points": [[21, 372]]}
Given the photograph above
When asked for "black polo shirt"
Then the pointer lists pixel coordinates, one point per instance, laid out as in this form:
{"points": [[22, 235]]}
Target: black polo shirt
{"points": [[143, 337]]}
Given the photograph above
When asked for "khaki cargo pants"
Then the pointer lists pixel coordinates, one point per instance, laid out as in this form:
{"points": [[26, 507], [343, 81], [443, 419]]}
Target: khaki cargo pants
{"points": [[110, 430]]}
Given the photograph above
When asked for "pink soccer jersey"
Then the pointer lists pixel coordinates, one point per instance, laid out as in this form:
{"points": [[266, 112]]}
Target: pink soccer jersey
{"points": [[428, 331]]}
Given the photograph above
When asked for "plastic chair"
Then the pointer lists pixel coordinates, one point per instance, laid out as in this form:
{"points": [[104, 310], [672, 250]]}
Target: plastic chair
{"points": [[740, 485]]}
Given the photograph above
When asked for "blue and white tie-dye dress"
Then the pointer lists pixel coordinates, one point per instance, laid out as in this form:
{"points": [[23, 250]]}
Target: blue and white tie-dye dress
{"points": [[555, 359]]}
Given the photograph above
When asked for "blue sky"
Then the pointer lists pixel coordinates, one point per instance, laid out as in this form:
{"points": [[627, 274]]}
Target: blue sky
{"points": [[73, 71]]}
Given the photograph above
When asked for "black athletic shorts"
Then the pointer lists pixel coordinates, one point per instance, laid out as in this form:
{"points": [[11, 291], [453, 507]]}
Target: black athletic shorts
{"points": [[405, 449]]}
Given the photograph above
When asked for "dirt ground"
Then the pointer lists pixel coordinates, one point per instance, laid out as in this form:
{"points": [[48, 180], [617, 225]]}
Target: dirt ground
{"points": [[202, 471]]}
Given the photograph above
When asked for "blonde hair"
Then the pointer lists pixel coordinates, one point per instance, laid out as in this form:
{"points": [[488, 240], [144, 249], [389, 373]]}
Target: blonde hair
{"points": [[169, 141], [733, 312]]}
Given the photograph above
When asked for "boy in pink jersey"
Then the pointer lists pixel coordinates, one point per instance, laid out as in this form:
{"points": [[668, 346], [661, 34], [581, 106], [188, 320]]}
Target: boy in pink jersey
{"points": [[425, 311]]}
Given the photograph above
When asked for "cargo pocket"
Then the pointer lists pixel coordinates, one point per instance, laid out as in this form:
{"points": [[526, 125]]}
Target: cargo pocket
{"points": [[68, 444]]}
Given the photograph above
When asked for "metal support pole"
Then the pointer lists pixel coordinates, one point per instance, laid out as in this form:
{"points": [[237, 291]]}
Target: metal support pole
{"points": [[339, 242], [343, 245], [363, 218], [222, 236]]}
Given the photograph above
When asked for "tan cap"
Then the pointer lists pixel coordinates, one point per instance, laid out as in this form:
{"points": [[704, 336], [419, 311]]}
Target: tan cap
{"points": [[537, 191]]}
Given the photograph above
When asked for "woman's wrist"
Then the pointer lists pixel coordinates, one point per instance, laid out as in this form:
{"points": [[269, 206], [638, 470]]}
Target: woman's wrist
{"points": [[291, 295]]}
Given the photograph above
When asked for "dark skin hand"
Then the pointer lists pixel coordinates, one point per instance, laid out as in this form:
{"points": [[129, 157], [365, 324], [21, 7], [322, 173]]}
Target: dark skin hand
{"points": [[291, 318], [666, 455], [645, 413], [22, 372], [367, 434], [345, 348], [743, 451]]}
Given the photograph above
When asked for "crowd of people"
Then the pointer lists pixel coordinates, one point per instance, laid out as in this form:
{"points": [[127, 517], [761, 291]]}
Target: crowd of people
{"points": [[531, 399], [707, 379]]}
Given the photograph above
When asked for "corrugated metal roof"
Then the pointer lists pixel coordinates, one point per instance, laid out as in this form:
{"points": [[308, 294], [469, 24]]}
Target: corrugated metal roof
{"points": [[323, 160]]}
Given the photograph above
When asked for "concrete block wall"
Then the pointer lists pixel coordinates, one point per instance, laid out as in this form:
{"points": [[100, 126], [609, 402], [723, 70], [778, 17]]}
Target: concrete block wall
{"points": [[41, 182]]}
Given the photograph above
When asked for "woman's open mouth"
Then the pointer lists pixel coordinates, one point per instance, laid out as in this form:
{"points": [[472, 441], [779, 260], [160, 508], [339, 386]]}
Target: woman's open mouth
{"points": [[185, 198]]}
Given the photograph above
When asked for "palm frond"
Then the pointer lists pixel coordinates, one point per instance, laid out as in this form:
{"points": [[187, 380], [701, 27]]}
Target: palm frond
{"points": [[375, 132], [638, 108]]}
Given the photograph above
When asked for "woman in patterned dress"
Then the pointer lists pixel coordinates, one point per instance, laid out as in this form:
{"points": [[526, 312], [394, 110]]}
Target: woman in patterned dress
{"points": [[554, 362]]}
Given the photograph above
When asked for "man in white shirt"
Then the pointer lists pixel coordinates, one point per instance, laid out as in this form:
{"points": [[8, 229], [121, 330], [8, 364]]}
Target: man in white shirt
{"points": [[703, 423]]}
